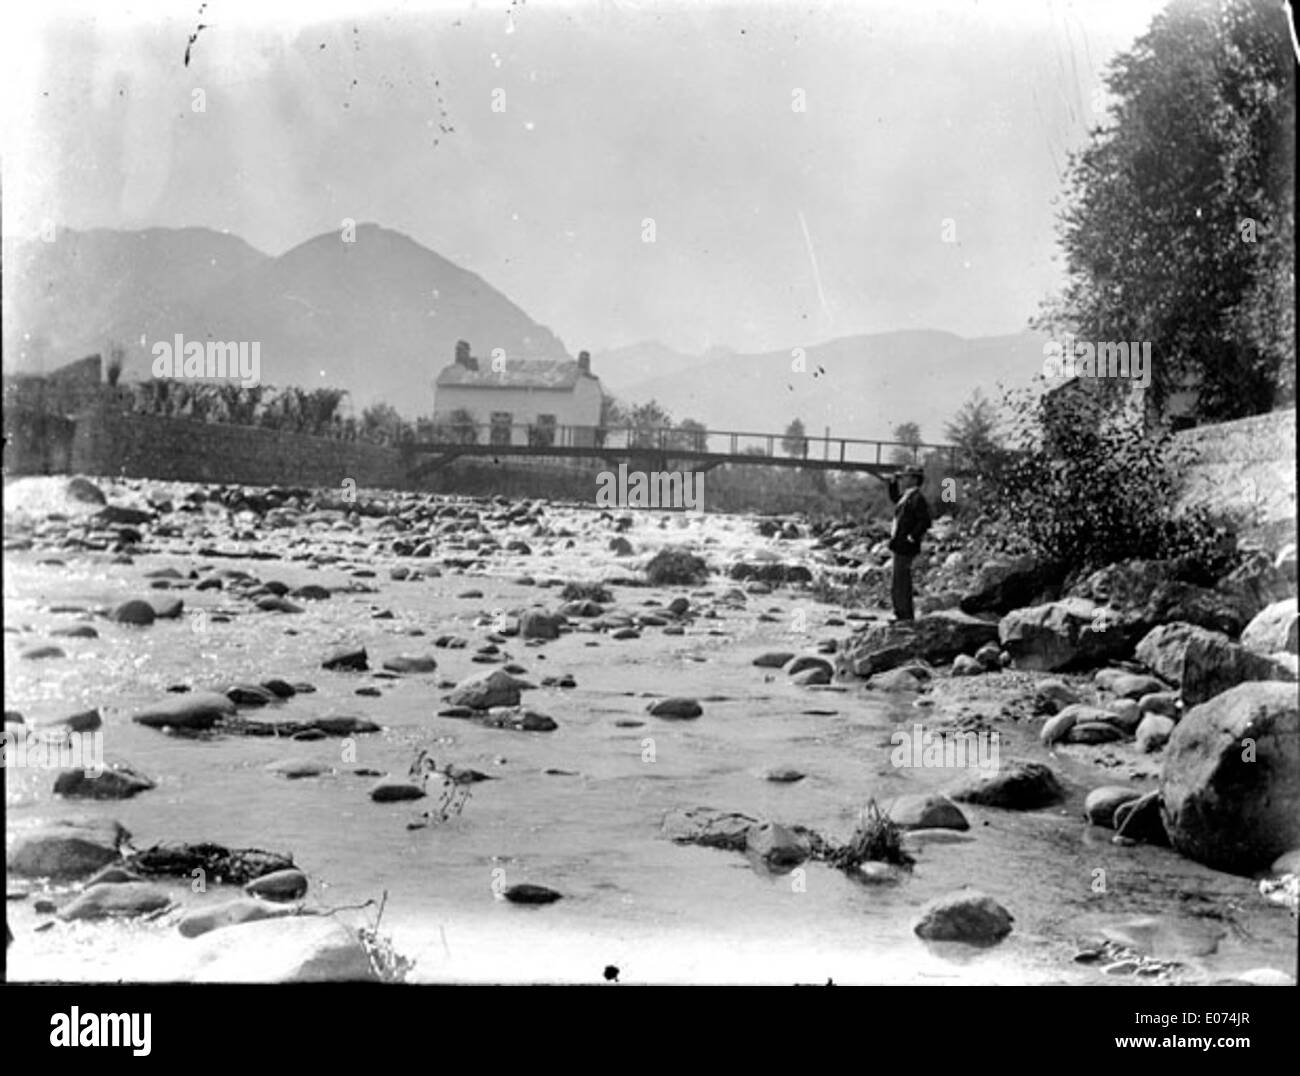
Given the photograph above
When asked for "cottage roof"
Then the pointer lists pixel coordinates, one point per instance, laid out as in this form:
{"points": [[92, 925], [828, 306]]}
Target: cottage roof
{"points": [[518, 374]]}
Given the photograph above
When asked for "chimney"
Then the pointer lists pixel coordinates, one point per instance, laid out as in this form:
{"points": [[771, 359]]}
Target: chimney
{"points": [[462, 354], [584, 362]]}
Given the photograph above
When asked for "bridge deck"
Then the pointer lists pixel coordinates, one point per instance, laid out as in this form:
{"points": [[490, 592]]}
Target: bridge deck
{"points": [[655, 448]]}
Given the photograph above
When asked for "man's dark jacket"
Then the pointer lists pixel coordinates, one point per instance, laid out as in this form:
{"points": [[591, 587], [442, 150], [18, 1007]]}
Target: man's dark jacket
{"points": [[913, 521]]}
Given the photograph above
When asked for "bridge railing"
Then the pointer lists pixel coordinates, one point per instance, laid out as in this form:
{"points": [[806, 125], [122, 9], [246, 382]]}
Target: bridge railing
{"points": [[674, 439]]}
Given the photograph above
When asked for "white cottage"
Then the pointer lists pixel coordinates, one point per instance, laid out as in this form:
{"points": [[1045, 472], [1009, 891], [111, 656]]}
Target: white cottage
{"points": [[520, 401]]}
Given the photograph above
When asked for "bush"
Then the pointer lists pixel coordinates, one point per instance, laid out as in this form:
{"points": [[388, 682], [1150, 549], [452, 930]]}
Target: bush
{"points": [[1088, 486], [676, 567]]}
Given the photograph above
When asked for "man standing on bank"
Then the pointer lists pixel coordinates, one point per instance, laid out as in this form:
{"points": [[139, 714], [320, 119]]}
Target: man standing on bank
{"points": [[911, 521]]}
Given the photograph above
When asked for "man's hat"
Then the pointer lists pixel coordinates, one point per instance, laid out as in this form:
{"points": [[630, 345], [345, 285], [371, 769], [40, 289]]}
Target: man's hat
{"points": [[912, 472]]}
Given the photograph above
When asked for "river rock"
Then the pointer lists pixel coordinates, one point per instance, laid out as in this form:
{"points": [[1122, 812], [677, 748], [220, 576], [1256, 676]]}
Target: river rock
{"points": [[1140, 820], [1099, 807], [85, 721], [1005, 583], [527, 893], [539, 624], [1164, 703], [167, 608], [968, 916], [936, 638], [136, 611], [1127, 685], [519, 720], [709, 827], [776, 845], [230, 913], [485, 690], [124, 900], [805, 662], [411, 664], [1153, 732], [1068, 634], [65, 849], [1052, 696], [289, 949], [288, 884], [774, 659], [191, 711], [1273, 629], [115, 782], [394, 790], [1057, 728], [1093, 732], [350, 658], [84, 491], [1230, 804], [679, 708], [1203, 663], [965, 665], [927, 812], [1017, 785]]}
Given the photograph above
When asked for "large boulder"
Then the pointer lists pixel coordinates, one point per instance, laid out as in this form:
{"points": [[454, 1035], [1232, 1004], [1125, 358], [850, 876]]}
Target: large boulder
{"points": [[65, 849], [539, 624], [1230, 783], [1257, 583], [1203, 663], [1274, 628], [936, 638], [1069, 634], [1006, 583], [1186, 602], [293, 949]]}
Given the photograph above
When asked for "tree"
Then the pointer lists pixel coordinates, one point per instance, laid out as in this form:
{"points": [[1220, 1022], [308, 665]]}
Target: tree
{"points": [[908, 436], [1180, 216], [381, 424], [647, 420], [690, 434], [794, 443], [972, 432]]}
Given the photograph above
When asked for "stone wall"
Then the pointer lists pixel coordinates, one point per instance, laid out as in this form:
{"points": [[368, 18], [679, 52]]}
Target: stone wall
{"points": [[1246, 467], [111, 442]]}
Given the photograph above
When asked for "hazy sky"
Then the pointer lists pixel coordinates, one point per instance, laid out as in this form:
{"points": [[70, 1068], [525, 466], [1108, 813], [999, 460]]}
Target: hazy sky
{"points": [[773, 225]]}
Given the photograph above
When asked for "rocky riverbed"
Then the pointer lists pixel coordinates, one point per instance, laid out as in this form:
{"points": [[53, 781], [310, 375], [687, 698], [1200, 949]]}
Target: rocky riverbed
{"points": [[567, 755]]}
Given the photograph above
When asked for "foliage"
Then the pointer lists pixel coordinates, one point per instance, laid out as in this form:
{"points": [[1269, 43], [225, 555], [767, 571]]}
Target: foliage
{"points": [[877, 838], [388, 964], [908, 435], [795, 443], [1180, 218], [1089, 486]]}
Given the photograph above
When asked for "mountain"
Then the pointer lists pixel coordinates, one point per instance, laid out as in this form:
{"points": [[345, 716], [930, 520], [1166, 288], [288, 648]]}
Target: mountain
{"points": [[379, 316], [66, 299], [859, 386], [621, 367]]}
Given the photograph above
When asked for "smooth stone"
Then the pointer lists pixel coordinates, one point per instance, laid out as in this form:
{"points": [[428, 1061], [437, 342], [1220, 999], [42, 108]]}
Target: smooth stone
{"points": [[230, 913], [393, 790], [136, 611], [195, 710], [287, 884], [66, 848], [1099, 808], [774, 659], [351, 658], [680, 708], [968, 916], [116, 782], [927, 812], [527, 893], [287, 949], [411, 664], [122, 900]]}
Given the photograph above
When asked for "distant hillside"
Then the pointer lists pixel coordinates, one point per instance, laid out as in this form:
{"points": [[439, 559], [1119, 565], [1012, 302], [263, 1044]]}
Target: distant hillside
{"points": [[65, 299], [379, 316], [859, 386]]}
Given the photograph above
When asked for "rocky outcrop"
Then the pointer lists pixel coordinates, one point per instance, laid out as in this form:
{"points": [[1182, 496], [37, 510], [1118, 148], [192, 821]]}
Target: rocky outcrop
{"points": [[1006, 583], [1275, 628], [1203, 663], [1069, 634], [936, 638]]}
